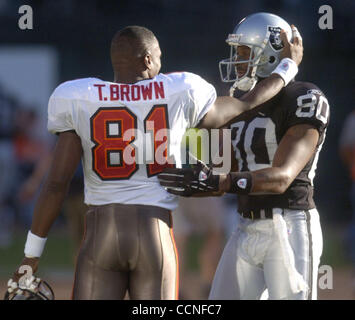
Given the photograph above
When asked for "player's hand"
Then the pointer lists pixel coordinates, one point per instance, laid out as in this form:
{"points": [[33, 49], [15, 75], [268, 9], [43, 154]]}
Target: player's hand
{"points": [[23, 277], [292, 50], [189, 181], [30, 264]]}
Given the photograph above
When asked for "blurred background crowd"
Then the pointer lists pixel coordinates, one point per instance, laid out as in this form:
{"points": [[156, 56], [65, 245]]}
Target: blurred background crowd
{"points": [[71, 39]]}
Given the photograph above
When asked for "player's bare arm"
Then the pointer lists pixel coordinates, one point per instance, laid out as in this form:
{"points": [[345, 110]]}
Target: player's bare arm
{"points": [[226, 108], [295, 150], [66, 157]]}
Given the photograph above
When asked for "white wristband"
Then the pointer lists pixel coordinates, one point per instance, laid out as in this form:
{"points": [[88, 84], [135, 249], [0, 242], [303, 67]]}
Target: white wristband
{"points": [[287, 70], [34, 245]]}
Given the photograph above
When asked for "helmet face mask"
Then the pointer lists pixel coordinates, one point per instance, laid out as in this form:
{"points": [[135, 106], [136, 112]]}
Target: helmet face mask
{"points": [[261, 33], [229, 67]]}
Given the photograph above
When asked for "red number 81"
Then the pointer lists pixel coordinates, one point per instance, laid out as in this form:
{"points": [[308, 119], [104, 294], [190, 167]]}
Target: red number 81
{"points": [[108, 126]]}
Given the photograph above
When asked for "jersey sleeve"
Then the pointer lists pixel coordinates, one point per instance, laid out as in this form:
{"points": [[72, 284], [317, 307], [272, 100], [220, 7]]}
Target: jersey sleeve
{"points": [[306, 104], [60, 111], [202, 97]]}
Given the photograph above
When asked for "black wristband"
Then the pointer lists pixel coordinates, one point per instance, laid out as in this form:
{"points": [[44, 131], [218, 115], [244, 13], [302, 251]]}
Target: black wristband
{"points": [[241, 182]]}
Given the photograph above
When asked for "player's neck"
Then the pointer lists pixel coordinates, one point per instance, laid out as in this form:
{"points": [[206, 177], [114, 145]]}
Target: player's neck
{"points": [[130, 78]]}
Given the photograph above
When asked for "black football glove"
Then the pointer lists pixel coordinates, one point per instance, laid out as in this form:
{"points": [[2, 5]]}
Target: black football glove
{"points": [[186, 182]]}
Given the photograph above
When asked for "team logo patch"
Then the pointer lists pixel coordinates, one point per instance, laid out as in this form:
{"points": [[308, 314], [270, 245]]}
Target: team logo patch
{"points": [[285, 66], [202, 176], [242, 183], [275, 39]]}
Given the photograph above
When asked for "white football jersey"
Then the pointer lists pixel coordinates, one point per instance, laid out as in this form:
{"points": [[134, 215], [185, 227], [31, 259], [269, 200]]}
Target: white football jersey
{"points": [[122, 127]]}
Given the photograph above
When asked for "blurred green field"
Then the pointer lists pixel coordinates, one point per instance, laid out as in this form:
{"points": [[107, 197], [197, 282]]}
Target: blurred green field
{"points": [[59, 252], [334, 246], [57, 263]]}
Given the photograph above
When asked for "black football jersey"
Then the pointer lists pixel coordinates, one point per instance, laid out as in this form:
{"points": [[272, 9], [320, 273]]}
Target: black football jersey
{"points": [[257, 133]]}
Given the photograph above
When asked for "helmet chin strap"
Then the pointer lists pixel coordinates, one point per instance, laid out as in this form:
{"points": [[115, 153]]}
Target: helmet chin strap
{"points": [[245, 84]]}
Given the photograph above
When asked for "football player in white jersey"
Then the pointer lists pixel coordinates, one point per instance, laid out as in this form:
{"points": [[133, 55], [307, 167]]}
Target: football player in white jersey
{"points": [[114, 128]]}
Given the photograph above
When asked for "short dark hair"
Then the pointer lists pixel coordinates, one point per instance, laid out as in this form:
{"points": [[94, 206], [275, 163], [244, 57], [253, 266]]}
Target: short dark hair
{"points": [[139, 37]]}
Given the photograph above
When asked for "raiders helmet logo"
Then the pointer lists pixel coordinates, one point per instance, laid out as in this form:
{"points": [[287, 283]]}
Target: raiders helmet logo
{"points": [[275, 39]]}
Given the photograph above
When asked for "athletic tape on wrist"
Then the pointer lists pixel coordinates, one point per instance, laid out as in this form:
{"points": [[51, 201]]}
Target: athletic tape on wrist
{"points": [[241, 182], [287, 70], [34, 245]]}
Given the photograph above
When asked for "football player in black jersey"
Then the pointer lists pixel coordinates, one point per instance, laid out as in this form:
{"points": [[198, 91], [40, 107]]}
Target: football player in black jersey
{"points": [[278, 244]]}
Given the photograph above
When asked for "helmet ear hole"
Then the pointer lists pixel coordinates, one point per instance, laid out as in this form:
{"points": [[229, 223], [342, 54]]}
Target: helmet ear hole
{"points": [[272, 59]]}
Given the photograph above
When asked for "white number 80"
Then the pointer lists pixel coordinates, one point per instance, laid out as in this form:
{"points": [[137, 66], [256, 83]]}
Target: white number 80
{"points": [[313, 106]]}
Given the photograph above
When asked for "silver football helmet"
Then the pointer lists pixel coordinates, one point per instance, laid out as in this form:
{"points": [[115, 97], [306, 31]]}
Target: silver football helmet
{"points": [[261, 33]]}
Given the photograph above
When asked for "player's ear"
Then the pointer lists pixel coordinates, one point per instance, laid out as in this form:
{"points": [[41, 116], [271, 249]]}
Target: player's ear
{"points": [[148, 61]]}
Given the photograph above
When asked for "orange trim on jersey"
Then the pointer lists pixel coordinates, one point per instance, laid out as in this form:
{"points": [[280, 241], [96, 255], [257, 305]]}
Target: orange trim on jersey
{"points": [[159, 115], [76, 259], [165, 125], [177, 262], [101, 146]]}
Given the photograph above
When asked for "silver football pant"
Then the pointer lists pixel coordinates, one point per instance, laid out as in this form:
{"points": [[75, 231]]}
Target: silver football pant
{"points": [[253, 260], [127, 248]]}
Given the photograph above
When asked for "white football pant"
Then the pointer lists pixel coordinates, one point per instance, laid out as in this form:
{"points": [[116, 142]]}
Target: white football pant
{"points": [[253, 261]]}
